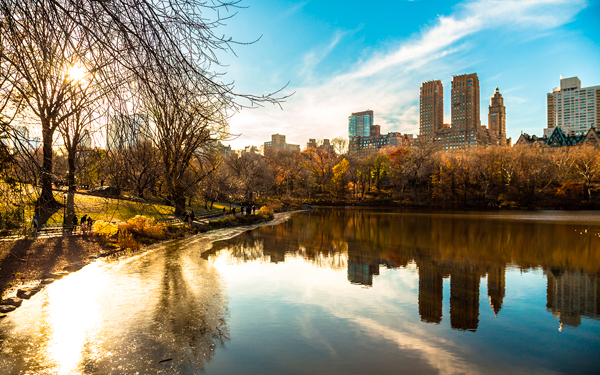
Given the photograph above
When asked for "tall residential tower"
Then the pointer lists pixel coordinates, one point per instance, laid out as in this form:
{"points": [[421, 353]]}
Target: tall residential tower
{"points": [[431, 102], [465, 102], [573, 108], [497, 116]]}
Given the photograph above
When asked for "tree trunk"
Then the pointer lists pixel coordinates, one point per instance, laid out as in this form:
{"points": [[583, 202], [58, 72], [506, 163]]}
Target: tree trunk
{"points": [[71, 171], [46, 205], [179, 202]]}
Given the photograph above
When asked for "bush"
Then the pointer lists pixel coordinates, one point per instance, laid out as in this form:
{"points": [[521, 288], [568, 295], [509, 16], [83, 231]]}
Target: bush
{"points": [[105, 229], [126, 241], [266, 212], [141, 226]]}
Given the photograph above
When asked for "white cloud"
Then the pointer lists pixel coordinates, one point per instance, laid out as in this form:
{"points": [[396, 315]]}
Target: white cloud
{"points": [[389, 82]]}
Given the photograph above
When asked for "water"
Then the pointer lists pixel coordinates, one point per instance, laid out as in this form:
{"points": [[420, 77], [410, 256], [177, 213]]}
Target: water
{"points": [[331, 291]]}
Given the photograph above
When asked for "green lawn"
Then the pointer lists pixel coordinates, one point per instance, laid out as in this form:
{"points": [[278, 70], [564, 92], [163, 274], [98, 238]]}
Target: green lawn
{"points": [[101, 208]]}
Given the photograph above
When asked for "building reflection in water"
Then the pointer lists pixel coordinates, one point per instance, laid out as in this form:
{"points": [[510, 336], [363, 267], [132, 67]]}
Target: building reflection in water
{"points": [[572, 294], [464, 248]]}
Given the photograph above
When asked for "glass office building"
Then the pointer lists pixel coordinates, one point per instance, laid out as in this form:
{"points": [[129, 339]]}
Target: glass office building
{"points": [[359, 124]]}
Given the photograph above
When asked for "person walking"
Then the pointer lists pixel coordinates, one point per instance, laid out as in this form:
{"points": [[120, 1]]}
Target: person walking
{"points": [[89, 224], [254, 209], [248, 210], [35, 225], [74, 222], [192, 217], [224, 211], [83, 223]]}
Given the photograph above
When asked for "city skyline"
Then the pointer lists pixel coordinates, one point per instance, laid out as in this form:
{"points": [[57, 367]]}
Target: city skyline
{"points": [[344, 59]]}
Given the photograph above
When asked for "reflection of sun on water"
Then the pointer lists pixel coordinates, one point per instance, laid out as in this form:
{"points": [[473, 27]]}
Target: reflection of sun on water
{"points": [[73, 312]]}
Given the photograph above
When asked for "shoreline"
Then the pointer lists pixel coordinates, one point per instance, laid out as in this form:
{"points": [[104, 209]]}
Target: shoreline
{"points": [[27, 266]]}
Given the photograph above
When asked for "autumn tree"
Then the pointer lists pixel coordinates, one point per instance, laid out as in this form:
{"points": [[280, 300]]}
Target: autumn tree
{"points": [[586, 163], [320, 163]]}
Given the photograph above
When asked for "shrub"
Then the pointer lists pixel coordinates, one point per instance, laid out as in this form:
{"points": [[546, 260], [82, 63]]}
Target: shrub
{"points": [[126, 241], [266, 212], [142, 226], [105, 229]]}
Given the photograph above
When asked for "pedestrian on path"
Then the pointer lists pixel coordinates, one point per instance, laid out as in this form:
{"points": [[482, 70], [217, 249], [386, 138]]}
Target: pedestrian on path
{"points": [[83, 223], [35, 225], [74, 222], [89, 224]]}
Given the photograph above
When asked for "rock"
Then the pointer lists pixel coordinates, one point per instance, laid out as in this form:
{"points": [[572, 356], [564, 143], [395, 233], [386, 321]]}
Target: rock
{"points": [[47, 281], [56, 275], [74, 267], [2, 316], [15, 301], [27, 293], [6, 308]]}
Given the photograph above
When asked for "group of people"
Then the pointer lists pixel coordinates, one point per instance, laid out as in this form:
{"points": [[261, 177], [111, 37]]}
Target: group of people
{"points": [[244, 210], [189, 217], [86, 224]]}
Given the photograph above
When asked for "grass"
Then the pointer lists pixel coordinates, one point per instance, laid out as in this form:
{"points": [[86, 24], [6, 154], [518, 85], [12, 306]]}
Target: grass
{"points": [[101, 208]]}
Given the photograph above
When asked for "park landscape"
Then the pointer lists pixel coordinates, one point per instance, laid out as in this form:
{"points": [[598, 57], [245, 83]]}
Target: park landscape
{"points": [[199, 258]]}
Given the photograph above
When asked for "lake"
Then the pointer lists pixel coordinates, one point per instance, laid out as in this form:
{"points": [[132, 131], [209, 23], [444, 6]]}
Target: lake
{"points": [[330, 291]]}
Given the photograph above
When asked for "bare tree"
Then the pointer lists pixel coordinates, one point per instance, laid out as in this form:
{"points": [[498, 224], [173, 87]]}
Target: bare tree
{"points": [[340, 145]]}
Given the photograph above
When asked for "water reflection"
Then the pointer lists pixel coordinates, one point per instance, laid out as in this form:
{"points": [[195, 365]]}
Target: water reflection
{"points": [[462, 248], [124, 316]]}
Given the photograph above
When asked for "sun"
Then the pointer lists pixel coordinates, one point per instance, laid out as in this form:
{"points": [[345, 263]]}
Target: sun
{"points": [[76, 73]]}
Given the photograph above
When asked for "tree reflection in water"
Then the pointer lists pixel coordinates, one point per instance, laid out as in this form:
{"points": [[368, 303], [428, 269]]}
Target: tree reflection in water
{"points": [[461, 247], [190, 319], [124, 317]]}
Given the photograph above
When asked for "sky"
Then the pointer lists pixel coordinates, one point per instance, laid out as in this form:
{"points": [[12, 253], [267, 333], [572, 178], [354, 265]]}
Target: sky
{"points": [[338, 57]]}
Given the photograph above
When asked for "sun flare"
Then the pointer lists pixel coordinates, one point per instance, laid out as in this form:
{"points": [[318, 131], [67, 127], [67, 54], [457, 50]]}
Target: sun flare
{"points": [[76, 73]]}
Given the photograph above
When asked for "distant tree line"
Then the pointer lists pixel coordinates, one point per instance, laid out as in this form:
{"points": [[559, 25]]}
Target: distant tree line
{"points": [[520, 176]]}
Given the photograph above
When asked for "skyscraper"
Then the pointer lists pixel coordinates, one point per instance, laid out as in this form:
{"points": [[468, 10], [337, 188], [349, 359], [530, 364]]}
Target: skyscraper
{"points": [[466, 129], [497, 116], [431, 103], [359, 124], [574, 108], [465, 102]]}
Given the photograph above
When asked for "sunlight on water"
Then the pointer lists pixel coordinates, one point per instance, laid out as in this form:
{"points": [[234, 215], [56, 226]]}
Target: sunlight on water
{"points": [[72, 325]]}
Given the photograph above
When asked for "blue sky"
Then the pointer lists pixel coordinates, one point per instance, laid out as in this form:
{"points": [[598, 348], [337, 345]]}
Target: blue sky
{"points": [[347, 56]]}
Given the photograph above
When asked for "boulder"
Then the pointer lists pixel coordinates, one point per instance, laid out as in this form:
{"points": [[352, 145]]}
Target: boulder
{"points": [[74, 267], [27, 293], [2, 316], [56, 275], [15, 301], [6, 308], [47, 281]]}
